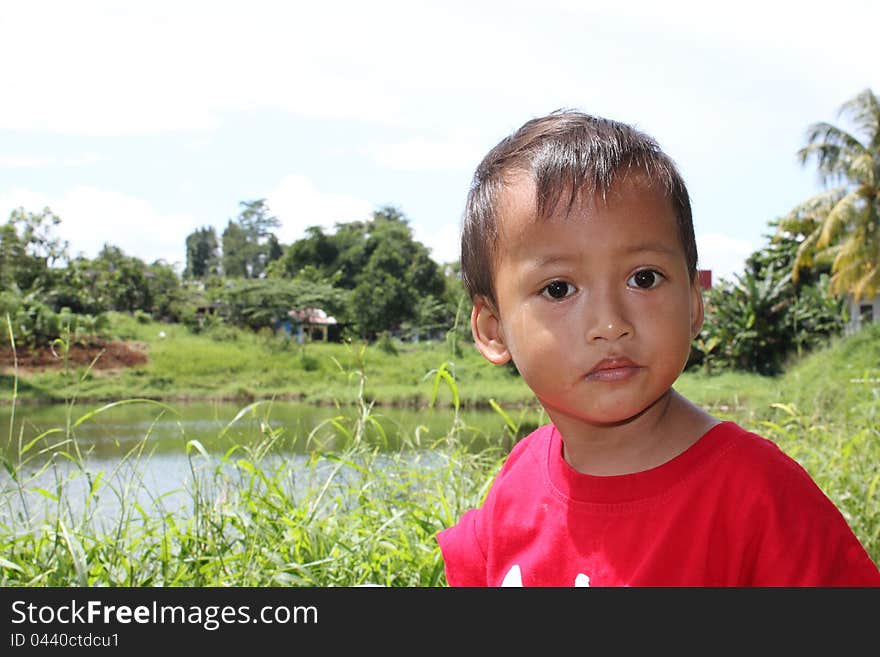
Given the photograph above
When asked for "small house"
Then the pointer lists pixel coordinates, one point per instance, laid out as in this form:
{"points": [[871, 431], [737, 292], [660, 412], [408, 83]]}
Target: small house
{"points": [[310, 324], [861, 312]]}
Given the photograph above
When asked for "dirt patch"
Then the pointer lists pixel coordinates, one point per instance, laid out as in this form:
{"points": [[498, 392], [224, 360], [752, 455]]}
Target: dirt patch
{"points": [[106, 354]]}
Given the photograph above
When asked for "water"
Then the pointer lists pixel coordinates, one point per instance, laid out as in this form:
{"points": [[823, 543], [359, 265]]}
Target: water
{"points": [[108, 431], [155, 452]]}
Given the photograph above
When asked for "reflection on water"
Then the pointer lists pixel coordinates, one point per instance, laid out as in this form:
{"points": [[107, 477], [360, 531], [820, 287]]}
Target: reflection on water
{"points": [[109, 431], [150, 455]]}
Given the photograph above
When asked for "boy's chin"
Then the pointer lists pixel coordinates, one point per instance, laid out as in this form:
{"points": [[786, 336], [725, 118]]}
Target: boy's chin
{"points": [[603, 417]]}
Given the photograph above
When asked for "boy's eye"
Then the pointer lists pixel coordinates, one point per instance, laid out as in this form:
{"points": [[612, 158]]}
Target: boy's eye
{"points": [[645, 279], [557, 290]]}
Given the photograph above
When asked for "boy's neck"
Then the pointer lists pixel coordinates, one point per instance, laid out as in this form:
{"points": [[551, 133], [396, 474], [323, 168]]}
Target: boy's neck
{"points": [[658, 434]]}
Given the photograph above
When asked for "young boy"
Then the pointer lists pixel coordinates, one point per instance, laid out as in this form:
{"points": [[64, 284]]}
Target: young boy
{"points": [[578, 252]]}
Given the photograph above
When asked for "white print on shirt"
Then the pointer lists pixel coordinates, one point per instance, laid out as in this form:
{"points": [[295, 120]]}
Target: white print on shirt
{"points": [[514, 578]]}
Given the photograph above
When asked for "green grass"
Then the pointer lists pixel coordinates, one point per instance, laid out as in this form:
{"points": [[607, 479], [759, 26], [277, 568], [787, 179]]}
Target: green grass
{"points": [[357, 515], [251, 516], [242, 366]]}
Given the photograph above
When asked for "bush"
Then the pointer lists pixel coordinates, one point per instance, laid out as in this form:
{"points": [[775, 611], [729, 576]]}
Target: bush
{"points": [[142, 317], [757, 321], [36, 324], [386, 344]]}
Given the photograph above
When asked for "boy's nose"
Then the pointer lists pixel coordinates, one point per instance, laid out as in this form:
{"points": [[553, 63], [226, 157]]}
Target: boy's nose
{"points": [[613, 330], [608, 321]]}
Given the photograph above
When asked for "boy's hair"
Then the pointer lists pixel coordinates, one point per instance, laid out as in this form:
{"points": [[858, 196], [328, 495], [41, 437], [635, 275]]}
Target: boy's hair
{"points": [[567, 153]]}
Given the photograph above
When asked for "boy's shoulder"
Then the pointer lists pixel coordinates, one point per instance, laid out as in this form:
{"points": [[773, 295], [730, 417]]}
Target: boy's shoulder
{"points": [[727, 449], [754, 450], [534, 445], [761, 472], [727, 445], [539, 435]]}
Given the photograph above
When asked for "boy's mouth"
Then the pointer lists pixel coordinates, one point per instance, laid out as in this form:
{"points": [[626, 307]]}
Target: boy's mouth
{"points": [[613, 369]]}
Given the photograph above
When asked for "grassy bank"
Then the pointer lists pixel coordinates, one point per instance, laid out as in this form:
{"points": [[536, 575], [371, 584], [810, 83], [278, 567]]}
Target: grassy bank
{"points": [[356, 515], [228, 364]]}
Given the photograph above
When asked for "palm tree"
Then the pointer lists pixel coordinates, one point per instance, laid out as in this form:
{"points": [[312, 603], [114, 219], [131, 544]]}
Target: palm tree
{"points": [[842, 224]]}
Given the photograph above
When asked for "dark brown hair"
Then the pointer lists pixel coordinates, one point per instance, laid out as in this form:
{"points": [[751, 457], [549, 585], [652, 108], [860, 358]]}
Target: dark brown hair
{"points": [[567, 153]]}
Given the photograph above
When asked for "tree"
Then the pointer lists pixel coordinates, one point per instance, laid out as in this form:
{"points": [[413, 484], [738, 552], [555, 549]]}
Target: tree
{"points": [[257, 304], [167, 300], [11, 255], [390, 274], [29, 248], [316, 250], [38, 235], [248, 242], [394, 271], [202, 253], [842, 224], [121, 280], [235, 251], [78, 288], [274, 250]]}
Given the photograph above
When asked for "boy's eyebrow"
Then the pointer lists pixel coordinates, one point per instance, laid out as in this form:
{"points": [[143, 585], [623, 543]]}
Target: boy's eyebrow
{"points": [[656, 247], [647, 247]]}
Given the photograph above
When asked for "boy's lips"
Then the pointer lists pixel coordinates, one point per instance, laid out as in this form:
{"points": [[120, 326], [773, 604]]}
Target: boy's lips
{"points": [[613, 369]]}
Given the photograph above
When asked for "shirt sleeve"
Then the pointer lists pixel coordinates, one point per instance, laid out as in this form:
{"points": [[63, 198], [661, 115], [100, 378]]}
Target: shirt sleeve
{"points": [[463, 557]]}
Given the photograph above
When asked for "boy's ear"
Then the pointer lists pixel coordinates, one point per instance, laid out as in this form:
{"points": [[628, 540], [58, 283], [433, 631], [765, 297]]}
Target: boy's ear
{"points": [[696, 308], [488, 336]]}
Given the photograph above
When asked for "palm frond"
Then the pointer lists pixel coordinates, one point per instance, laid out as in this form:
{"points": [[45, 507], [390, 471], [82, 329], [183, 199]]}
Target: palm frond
{"points": [[842, 225], [868, 285], [856, 277], [863, 171], [855, 259], [864, 112], [816, 207], [833, 150], [844, 214], [825, 257], [804, 257]]}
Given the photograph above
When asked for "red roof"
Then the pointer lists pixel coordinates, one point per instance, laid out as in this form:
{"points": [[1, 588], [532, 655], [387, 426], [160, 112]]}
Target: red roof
{"points": [[705, 276]]}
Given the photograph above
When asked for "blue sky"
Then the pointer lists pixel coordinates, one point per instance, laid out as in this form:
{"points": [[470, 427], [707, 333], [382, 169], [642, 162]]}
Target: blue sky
{"points": [[138, 122]]}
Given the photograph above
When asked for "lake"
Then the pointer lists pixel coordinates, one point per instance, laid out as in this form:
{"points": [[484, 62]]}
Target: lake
{"points": [[156, 448]]}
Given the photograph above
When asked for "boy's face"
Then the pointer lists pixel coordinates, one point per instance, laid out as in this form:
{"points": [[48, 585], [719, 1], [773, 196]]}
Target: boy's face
{"points": [[595, 306]]}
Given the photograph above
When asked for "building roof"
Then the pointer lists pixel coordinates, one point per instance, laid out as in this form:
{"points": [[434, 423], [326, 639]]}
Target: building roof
{"points": [[310, 316]]}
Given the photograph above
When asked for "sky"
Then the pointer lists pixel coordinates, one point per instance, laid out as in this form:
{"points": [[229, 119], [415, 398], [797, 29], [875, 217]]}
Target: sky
{"points": [[139, 122]]}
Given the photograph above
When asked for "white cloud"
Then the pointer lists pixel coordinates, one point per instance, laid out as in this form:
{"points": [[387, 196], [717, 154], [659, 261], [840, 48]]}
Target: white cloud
{"points": [[104, 68], [723, 255], [419, 154], [756, 24], [91, 217], [100, 67], [299, 204], [26, 161], [18, 197], [442, 240], [43, 161]]}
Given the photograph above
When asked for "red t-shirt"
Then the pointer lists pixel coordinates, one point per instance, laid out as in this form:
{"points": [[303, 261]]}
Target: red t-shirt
{"points": [[732, 510]]}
